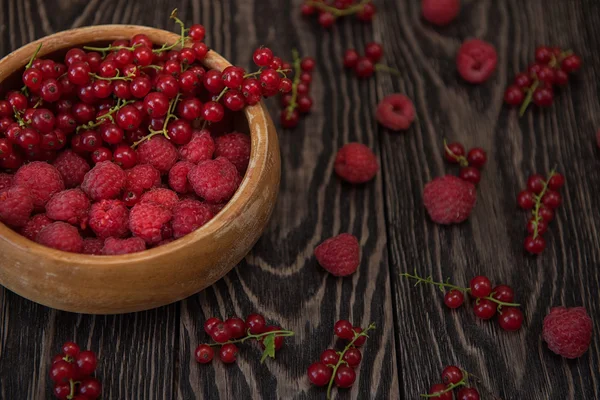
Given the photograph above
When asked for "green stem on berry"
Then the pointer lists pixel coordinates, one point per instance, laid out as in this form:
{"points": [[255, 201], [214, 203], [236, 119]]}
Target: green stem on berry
{"points": [[462, 160], [297, 72], [385, 68], [32, 59], [529, 97], [19, 118], [117, 77], [106, 49], [336, 11], [463, 382], [109, 115], [163, 131], [180, 41], [280, 333], [555, 61], [249, 75], [72, 388], [538, 203]]}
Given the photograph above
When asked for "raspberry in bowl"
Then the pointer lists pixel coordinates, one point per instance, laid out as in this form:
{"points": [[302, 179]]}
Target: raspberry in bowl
{"points": [[128, 218]]}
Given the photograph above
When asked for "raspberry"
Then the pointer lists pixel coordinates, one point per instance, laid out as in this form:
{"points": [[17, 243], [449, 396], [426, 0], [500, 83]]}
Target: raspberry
{"points": [[158, 152], [92, 246], [214, 180], [61, 236], [141, 178], [104, 181], [568, 331], [72, 168], [70, 206], [16, 205], [150, 222], [41, 179], [235, 147], [6, 181], [356, 163], [440, 12], [178, 177], [216, 208], [35, 225], [395, 112], [109, 218], [189, 215], [114, 247], [476, 60], [449, 199], [340, 255], [163, 197], [200, 148]]}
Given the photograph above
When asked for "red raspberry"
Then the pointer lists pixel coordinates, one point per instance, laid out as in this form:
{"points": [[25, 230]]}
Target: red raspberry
{"points": [[35, 225], [41, 179], [476, 60], [356, 163], [214, 180], [200, 148], [93, 246], [449, 199], [72, 168], [395, 112], [158, 152], [568, 331], [163, 242], [109, 218], [178, 177], [150, 222], [216, 208], [104, 181], [6, 181], [142, 177], [163, 197], [61, 236], [440, 12], [235, 147], [114, 247], [16, 205], [340, 255], [70, 206], [189, 215]]}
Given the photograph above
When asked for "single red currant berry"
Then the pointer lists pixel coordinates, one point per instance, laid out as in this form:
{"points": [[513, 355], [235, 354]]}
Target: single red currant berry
{"points": [[187, 56], [484, 308], [200, 50], [442, 392], [122, 90], [561, 78], [197, 32], [233, 77], [546, 75], [128, 118], [503, 293], [289, 120], [343, 329], [344, 377], [90, 388], [304, 104], [131, 198], [276, 64], [179, 131], [511, 319], [168, 85], [470, 174], [353, 357], [234, 100], [111, 133], [351, 57], [62, 391], [543, 96], [125, 156], [62, 371], [319, 374], [480, 286], [360, 340], [543, 55], [102, 89], [213, 82], [454, 298], [79, 73], [262, 56], [142, 56], [535, 246], [522, 80], [228, 353], [251, 91], [269, 79], [5, 148], [364, 68], [534, 69], [236, 326], [453, 152], [477, 157], [285, 85], [221, 333], [256, 324], [101, 154], [326, 19], [210, 324], [43, 120], [28, 139], [542, 226], [86, 362], [366, 13], [307, 10], [571, 63], [70, 349], [556, 181], [452, 375], [468, 394], [330, 357], [374, 51], [204, 354], [306, 78], [308, 64], [32, 78], [108, 69], [140, 86], [156, 104], [302, 88], [552, 199], [536, 183], [526, 200], [17, 100], [50, 91], [188, 81], [213, 111], [546, 213]]}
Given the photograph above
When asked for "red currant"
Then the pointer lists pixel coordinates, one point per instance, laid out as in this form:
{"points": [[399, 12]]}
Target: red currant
{"points": [[62, 390], [43, 120], [344, 377], [480, 286], [197, 32], [308, 64], [237, 327], [28, 139], [546, 75], [454, 298], [543, 55], [278, 339], [364, 68], [542, 226], [86, 362], [304, 104], [452, 375], [70, 349], [251, 90], [546, 213], [571, 63], [256, 324], [213, 82], [213, 111], [503, 293], [102, 89], [142, 56], [62, 371], [477, 157], [453, 152], [468, 394], [5, 148], [200, 50], [140, 87], [526, 200], [74, 55], [228, 353], [276, 64], [270, 79], [262, 56], [125, 156], [233, 77], [189, 109], [366, 13], [561, 78], [187, 56], [330, 357], [360, 340], [511, 319], [543, 97], [326, 19], [234, 100], [319, 374], [79, 73], [522, 80], [556, 181], [484, 308], [306, 78], [156, 104], [353, 357], [470, 174], [204, 354], [535, 246], [440, 388], [351, 57], [128, 118], [210, 324], [101, 154], [552, 199], [536, 183], [32, 78], [374, 51], [179, 131], [168, 85], [122, 90], [221, 333], [90, 388], [289, 120], [343, 329]]}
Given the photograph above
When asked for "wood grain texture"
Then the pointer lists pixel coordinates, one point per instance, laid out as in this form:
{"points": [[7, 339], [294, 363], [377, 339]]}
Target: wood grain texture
{"points": [[149, 355]]}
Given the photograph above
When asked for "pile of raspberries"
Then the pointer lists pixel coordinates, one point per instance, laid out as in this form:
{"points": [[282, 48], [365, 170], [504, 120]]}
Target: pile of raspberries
{"points": [[107, 210]]}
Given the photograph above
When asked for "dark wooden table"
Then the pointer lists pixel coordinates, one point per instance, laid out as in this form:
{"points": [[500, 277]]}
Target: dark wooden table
{"points": [[148, 355]]}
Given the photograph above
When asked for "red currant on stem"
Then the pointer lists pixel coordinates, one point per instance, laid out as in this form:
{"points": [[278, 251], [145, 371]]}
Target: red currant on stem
{"points": [[545, 200], [510, 319], [454, 298], [364, 11], [319, 374], [455, 153], [453, 377], [480, 286]]}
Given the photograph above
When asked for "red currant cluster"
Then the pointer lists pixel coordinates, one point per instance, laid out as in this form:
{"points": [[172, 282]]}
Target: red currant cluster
{"points": [[71, 373], [453, 378], [552, 67], [236, 330], [488, 301], [298, 100], [338, 366], [329, 12], [470, 164], [365, 66], [542, 198]]}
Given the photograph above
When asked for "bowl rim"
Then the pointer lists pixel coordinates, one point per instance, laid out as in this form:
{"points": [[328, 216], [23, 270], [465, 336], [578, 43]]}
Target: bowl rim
{"points": [[256, 117]]}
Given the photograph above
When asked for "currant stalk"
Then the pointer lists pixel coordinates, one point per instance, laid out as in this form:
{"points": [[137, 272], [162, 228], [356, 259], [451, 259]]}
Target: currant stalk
{"points": [[463, 382], [168, 118], [109, 115], [268, 339], [336, 11], [538, 203], [297, 72], [385, 68], [29, 64], [462, 160], [280, 71], [529, 96], [117, 77]]}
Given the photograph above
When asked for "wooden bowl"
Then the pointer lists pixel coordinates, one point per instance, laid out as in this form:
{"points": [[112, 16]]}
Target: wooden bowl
{"points": [[159, 276]]}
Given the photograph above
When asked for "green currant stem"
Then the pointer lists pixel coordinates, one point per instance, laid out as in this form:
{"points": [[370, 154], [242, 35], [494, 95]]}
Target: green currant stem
{"points": [[555, 62], [336, 11], [38, 103], [385, 68], [181, 40], [341, 359], [226, 89], [106, 49], [102, 118], [281, 333], [163, 131], [114, 78], [538, 203], [529, 97], [155, 67], [72, 386], [443, 285], [32, 59], [19, 118], [297, 71], [463, 382], [462, 161]]}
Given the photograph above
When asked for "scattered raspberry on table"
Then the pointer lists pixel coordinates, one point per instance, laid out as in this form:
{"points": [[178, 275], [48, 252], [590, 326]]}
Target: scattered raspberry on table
{"points": [[339, 255], [568, 331], [356, 163], [449, 199]]}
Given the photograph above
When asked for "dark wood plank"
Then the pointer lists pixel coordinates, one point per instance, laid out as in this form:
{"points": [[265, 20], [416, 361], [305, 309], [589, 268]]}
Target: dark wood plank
{"points": [[512, 365]]}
